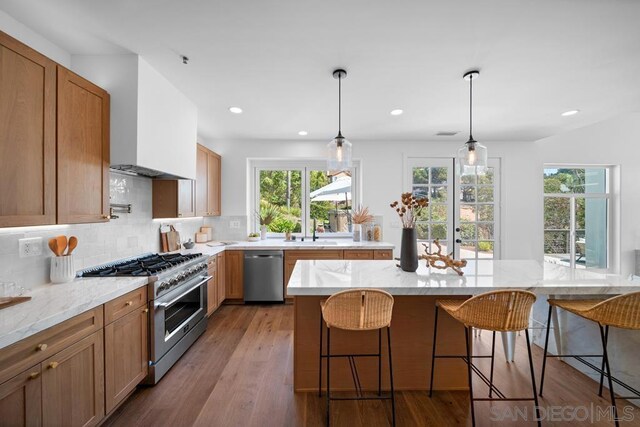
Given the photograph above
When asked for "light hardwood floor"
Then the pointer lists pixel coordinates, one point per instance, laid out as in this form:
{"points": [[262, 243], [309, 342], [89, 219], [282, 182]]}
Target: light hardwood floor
{"points": [[239, 373]]}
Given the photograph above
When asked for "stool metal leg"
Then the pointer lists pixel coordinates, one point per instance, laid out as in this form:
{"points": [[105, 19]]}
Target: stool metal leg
{"points": [[466, 339], [393, 397], [379, 362], [433, 352], [606, 340], [533, 378], [546, 348], [609, 374], [328, 376], [493, 354], [320, 360]]}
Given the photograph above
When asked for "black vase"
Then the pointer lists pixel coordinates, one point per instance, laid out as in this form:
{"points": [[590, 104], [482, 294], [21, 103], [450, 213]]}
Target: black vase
{"points": [[409, 250]]}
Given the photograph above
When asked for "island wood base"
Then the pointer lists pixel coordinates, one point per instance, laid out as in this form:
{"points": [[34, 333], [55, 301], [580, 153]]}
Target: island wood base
{"points": [[411, 342]]}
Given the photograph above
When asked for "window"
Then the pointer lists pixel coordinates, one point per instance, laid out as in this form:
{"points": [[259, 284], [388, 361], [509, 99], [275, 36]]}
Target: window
{"points": [[463, 211], [577, 212], [303, 195]]}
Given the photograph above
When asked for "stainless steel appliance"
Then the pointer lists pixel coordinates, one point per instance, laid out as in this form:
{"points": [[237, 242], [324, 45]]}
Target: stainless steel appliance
{"points": [[263, 276], [177, 302]]}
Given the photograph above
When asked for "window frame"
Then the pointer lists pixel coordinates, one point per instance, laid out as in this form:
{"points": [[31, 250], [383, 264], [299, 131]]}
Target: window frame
{"points": [[610, 195], [255, 166]]}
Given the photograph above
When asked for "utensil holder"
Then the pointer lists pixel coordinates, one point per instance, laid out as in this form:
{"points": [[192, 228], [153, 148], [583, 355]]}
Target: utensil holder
{"points": [[62, 269]]}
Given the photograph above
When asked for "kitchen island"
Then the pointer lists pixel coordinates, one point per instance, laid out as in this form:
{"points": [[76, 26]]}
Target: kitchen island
{"points": [[413, 313]]}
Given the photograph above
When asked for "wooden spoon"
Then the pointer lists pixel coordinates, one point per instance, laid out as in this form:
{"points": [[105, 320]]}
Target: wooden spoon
{"points": [[73, 242], [53, 245], [62, 244]]}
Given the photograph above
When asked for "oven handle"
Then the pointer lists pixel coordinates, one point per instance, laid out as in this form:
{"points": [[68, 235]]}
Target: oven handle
{"points": [[197, 285]]}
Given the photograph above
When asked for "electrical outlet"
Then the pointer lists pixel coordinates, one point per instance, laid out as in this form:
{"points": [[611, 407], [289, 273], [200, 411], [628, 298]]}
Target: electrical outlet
{"points": [[234, 224], [30, 247]]}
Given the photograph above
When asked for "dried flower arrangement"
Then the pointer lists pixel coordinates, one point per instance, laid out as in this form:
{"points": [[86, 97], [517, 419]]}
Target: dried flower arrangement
{"points": [[361, 215], [409, 209]]}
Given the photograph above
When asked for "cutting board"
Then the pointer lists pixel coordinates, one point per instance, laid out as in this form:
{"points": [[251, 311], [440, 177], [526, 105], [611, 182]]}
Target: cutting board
{"points": [[173, 239]]}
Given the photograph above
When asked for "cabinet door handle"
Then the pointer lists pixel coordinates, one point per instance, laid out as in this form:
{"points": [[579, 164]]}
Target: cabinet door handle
{"points": [[105, 216], [146, 310], [41, 347], [128, 303], [53, 365], [34, 375]]}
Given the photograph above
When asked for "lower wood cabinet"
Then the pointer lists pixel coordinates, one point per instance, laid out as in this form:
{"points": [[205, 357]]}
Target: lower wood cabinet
{"points": [[126, 355], [212, 285], [220, 269], [21, 399], [73, 384], [234, 274]]}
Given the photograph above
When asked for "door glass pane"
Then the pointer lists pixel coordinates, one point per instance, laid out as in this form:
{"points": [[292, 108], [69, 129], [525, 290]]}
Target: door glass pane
{"points": [[439, 231], [438, 212], [485, 212], [420, 175], [485, 249], [439, 175], [281, 193], [468, 193], [591, 232], [467, 213], [330, 201], [438, 194], [485, 194], [557, 229]]}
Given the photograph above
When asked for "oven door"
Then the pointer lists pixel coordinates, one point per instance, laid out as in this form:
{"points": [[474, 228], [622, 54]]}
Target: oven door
{"points": [[175, 313]]}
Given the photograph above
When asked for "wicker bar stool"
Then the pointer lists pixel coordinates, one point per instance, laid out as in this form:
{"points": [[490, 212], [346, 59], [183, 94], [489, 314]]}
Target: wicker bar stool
{"points": [[357, 310], [497, 311], [621, 311]]}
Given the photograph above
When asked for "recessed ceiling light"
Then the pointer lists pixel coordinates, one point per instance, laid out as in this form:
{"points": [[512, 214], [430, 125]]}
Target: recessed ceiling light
{"points": [[303, 133], [396, 112], [235, 110], [570, 113]]}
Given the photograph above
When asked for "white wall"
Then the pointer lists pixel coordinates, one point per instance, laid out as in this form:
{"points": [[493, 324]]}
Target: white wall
{"points": [[611, 142], [34, 40], [382, 173]]}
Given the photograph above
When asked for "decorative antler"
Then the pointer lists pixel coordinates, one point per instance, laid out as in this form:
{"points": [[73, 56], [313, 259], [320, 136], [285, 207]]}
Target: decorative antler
{"points": [[438, 260]]}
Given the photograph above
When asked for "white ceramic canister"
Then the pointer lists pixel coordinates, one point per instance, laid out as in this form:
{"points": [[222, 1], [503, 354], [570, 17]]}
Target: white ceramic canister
{"points": [[62, 269]]}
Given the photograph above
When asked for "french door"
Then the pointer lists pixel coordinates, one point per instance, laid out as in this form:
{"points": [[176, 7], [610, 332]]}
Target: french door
{"points": [[464, 211]]}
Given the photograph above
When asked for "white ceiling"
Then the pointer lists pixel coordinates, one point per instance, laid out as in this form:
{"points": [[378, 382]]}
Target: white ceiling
{"points": [[274, 59]]}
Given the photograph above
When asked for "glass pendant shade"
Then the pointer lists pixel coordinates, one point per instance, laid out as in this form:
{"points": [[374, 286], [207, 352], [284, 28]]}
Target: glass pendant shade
{"points": [[339, 154], [472, 159]]}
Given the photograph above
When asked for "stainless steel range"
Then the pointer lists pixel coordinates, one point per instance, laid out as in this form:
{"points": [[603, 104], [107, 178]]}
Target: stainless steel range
{"points": [[177, 301]]}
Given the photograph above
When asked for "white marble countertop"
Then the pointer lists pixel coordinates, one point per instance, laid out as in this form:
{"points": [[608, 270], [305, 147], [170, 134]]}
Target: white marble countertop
{"points": [[53, 304], [327, 277], [279, 244]]}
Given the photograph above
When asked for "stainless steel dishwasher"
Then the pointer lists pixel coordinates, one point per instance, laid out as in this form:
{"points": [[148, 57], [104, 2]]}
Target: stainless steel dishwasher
{"points": [[263, 276]]}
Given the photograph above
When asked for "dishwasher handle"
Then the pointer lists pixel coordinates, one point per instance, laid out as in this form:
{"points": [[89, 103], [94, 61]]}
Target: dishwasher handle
{"points": [[262, 256]]}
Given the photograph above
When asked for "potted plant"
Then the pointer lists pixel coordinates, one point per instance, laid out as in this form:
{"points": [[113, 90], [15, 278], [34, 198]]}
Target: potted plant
{"points": [[267, 214], [409, 209], [360, 216]]}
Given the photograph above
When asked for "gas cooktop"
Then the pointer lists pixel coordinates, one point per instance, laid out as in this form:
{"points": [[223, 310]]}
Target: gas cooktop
{"points": [[145, 265]]}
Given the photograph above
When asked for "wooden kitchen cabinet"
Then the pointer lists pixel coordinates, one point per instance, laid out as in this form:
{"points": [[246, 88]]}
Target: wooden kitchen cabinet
{"points": [[21, 399], [208, 182], [358, 254], [82, 150], [73, 384], [382, 254], [221, 268], [212, 286], [126, 355], [27, 135], [234, 272], [174, 198]]}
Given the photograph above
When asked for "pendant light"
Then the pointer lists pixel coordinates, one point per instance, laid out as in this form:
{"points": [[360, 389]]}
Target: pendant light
{"points": [[339, 149], [472, 157]]}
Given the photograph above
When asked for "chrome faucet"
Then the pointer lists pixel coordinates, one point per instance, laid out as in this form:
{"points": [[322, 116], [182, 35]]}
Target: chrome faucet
{"points": [[314, 230]]}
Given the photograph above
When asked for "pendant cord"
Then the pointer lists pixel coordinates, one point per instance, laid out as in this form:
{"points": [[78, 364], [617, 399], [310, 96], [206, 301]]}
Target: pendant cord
{"points": [[340, 104], [471, 107]]}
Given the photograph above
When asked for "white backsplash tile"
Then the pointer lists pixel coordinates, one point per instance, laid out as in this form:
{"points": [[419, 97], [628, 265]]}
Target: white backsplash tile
{"points": [[129, 235]]}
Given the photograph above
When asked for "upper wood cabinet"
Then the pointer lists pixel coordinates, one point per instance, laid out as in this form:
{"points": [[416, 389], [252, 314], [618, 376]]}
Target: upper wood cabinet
{"points": [[174, 198], [208, 182], [27, 135], [83, 150]]}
